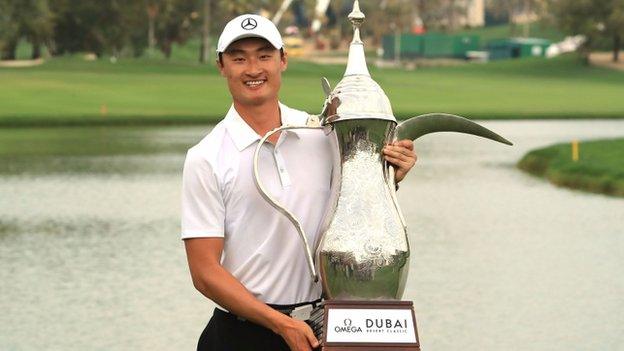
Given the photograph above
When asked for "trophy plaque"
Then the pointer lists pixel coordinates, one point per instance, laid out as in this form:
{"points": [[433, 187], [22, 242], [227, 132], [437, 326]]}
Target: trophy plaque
{"points": [[345, 325]]}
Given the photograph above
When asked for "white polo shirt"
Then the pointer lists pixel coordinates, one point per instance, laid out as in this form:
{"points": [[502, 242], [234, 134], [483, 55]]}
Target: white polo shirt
{"points": [[219, 199]]}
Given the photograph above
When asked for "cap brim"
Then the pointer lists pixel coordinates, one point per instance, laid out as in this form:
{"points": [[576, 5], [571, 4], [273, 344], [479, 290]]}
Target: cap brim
{"points": [[249, 35]]}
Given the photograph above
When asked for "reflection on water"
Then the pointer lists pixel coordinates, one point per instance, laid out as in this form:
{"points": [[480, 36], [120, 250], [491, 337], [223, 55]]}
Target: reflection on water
{"points": [[90, 256], [91, 150]]}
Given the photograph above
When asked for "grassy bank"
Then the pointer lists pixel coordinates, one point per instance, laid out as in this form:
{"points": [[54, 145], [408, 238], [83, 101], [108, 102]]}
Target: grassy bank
{"points": [[71, 91], [600, 168]]}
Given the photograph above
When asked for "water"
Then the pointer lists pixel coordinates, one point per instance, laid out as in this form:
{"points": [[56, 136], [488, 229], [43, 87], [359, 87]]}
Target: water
{"points": [[90, 256]]}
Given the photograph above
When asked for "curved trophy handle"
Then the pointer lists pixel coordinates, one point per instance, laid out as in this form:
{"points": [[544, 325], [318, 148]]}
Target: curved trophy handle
{"points": [[418, 126], [312, 123]]}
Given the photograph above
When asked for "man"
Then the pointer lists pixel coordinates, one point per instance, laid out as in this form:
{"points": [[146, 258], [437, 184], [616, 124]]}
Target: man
{"points": [[242, 253]]}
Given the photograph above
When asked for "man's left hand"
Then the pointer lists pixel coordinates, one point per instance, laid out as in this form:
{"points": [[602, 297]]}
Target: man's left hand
{"points": [[402, 156]]}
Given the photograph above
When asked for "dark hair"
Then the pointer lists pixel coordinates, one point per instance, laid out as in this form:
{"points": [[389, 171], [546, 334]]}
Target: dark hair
{"points": [[220, 56]]}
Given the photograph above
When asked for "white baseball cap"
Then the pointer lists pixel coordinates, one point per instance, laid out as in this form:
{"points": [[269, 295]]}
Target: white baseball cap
{"points": [[249, 26]]}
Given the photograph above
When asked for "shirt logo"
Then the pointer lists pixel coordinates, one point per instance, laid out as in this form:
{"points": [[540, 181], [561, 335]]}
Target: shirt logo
{"points": [[249, 23]]}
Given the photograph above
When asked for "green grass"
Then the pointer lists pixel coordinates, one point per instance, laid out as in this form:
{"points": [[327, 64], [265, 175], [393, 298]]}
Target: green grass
{"points": [[71, 91], [536, 30], [600, 168]]}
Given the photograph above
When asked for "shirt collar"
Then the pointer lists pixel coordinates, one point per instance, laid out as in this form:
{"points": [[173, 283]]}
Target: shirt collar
{"points": [[244, 136]]}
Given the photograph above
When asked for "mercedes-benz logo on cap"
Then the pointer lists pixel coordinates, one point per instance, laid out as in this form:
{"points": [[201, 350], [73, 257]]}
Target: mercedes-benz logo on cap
{"points": [[249, 23]]}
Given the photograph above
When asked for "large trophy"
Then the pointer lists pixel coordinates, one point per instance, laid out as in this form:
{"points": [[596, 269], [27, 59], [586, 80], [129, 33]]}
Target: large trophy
{"points": [[363, 253]]}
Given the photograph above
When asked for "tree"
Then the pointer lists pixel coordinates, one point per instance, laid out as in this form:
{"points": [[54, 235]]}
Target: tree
{"points": [[174, 23], [30, 19], [107, 26], [204, 50], [94, 26], [152, 13], [38, 27], [615, 25], [595, 19], [8, 31], [238, 7]]}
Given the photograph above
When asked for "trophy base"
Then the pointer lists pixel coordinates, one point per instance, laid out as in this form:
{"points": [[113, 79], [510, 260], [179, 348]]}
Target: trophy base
{"points": [[343, 325]]}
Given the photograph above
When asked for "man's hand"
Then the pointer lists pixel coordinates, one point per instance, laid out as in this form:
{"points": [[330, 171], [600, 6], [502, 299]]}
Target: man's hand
{"points": [[297, 334], [402, 156], [216, 283]]}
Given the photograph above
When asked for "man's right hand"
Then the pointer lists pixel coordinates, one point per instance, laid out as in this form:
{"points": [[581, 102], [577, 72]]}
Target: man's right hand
{"points": [[297, 334], [216, 283]]}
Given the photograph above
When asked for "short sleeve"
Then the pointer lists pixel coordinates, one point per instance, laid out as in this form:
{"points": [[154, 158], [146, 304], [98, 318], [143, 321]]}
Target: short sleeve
{"points": [[203, 211]]}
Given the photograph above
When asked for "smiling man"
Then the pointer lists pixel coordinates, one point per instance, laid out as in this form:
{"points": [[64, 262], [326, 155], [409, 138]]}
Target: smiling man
{"points": [[242, 254]]}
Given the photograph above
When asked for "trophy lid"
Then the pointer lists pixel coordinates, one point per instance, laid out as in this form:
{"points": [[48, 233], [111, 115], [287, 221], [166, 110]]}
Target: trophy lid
{"points": [[357, 95]]}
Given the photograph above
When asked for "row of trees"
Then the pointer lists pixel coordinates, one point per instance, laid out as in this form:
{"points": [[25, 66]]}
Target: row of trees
{"points": [[109, 26], [120, 27], [117, 27], [598, 20]]}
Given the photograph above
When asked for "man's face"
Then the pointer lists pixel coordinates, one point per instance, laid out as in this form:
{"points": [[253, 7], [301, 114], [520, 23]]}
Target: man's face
{"points": [[253, 69]]}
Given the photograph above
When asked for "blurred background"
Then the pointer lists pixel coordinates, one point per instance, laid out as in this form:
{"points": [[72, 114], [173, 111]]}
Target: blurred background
{"points": [[512, 247]]}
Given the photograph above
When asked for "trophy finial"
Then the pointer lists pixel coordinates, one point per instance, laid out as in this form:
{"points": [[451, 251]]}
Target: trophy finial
{"points": [[356, 17], [356, 64]]}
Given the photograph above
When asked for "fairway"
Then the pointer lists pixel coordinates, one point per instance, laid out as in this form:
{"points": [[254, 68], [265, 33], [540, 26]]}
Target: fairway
{"points": [[70, 91]]}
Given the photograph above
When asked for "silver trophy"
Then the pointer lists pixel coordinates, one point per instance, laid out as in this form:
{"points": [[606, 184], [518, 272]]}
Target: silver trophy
{"points": [[363, 252]]}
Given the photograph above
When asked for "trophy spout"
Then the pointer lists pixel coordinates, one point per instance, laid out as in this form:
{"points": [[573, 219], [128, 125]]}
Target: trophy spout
{"points": [[418, 126]]}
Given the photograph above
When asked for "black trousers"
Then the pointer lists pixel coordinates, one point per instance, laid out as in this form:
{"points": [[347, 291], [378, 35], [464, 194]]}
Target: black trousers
{"points": [[225, 332]]}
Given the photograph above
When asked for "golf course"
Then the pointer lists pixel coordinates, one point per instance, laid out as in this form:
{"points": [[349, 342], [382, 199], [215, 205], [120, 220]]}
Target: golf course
{"points": [[73, 91], [144, 207]]}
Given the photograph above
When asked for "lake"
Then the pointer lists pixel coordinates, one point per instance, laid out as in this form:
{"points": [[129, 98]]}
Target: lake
{"points": [[90, 255]]}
